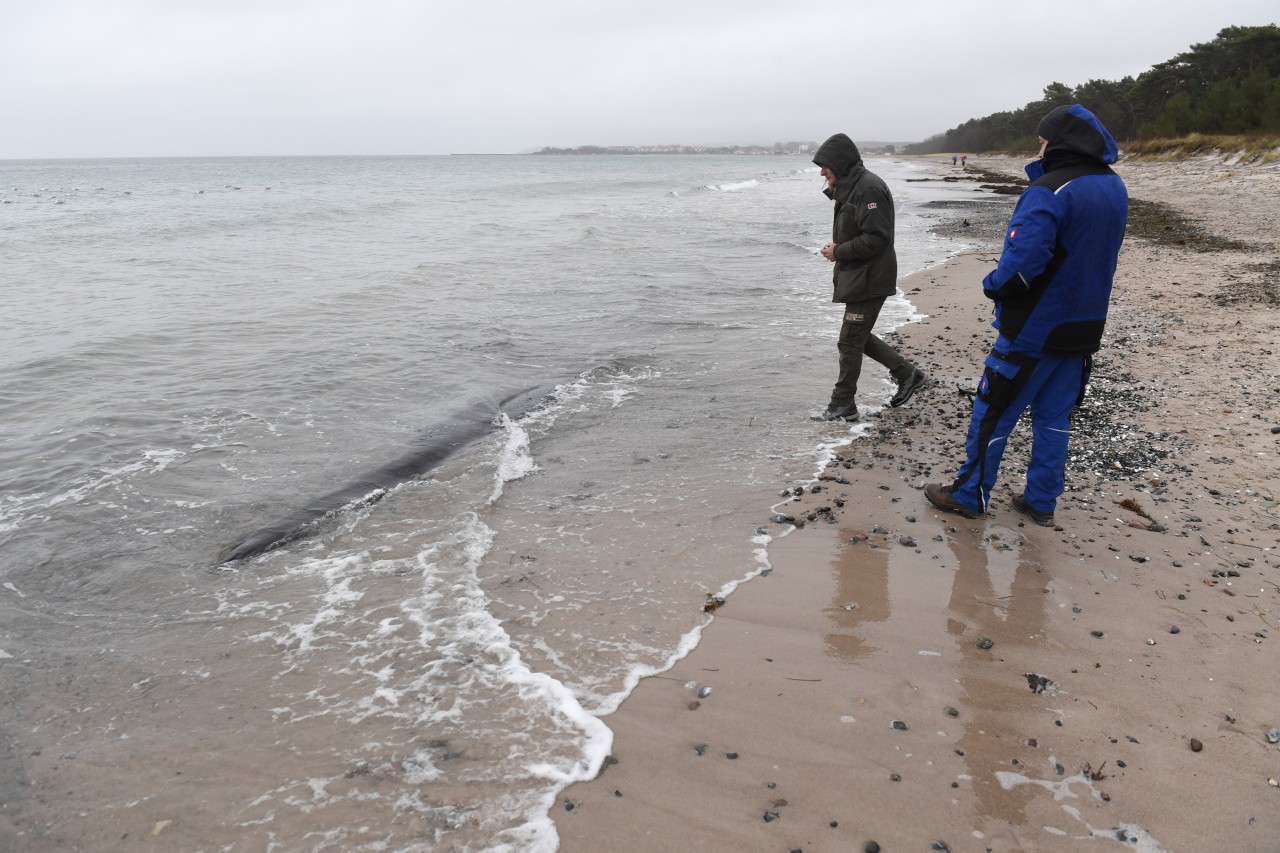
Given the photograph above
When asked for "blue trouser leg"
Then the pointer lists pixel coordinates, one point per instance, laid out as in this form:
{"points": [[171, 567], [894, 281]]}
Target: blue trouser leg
{"points": [[1050, 386], [1051, 432]]}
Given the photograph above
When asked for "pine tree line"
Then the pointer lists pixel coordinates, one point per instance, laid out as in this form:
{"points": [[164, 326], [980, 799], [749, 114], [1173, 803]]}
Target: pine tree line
{"points": [[1230, 85]]}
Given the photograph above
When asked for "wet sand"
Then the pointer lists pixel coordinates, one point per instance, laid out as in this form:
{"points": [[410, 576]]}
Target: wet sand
{"points": [[924, 681]]}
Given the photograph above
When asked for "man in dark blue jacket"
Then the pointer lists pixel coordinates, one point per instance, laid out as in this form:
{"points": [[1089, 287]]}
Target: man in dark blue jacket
{"points": [[1051, 291]]}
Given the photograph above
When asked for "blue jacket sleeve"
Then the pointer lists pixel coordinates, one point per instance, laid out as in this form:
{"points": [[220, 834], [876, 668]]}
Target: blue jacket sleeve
{"points": [[1028, 247]]}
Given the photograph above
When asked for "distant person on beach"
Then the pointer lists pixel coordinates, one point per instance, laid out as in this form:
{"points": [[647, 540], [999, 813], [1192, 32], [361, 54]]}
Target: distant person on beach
{"points": [[1051, 291], [865, 274], [953, 159], [964, 161]]}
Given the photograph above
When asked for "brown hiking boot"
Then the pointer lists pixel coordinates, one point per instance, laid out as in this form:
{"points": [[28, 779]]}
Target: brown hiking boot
{"points": [[1044, 519], [941, 497]]}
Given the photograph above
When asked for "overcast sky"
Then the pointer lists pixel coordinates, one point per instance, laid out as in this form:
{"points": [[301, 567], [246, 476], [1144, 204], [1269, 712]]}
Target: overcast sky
{"points": [[134, 78]]}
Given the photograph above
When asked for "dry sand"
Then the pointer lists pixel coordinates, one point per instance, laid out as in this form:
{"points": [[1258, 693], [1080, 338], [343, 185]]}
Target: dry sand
{"points": [[850, 698]]}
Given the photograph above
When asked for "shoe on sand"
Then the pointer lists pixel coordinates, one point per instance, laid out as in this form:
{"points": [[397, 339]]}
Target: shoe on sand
{"points": [[940, 496], [907, 387], [1044, 519]]}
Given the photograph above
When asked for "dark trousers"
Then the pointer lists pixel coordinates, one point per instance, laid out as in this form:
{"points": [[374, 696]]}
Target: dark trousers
{"points": [[855, 340]]}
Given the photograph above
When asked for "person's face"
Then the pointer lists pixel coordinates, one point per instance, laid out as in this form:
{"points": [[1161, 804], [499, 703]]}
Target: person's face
{"points": [[1044, 143], [829, 175]]}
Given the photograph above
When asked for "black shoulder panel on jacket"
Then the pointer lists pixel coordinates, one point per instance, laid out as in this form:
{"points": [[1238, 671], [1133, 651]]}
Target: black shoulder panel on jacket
{"points": [[1059, 178]]}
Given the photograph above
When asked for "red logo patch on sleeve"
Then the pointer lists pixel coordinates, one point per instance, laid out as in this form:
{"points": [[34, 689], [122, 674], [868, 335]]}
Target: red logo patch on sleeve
{"points": [[871, 206], [1013, 233]]}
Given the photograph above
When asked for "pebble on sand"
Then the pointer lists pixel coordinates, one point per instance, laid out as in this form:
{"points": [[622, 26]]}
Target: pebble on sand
{"points": [[1196, 745]]}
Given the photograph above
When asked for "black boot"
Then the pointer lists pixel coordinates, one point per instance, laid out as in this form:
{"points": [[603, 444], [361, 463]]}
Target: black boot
{"points": [[907, 387], [841, 413]]}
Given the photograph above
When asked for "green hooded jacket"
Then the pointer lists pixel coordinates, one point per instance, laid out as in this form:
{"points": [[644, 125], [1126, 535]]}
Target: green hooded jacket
{"points": [[866, 265]]}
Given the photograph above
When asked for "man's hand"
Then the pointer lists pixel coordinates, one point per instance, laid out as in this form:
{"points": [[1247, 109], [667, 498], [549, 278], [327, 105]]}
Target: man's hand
{"points": [[829, 252]]}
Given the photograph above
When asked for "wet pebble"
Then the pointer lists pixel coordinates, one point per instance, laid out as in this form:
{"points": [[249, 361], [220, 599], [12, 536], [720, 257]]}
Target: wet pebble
{"points": [[985, 642], [732, 756], [941, 845], [898, 726], [1273, 736], [770, 816], [704, 691], [952, 712], [871, 847], [1196, 745], [700, 748], [895, 777], [617, 793], [1097, 634], [1174, 629], [1077, 609]]}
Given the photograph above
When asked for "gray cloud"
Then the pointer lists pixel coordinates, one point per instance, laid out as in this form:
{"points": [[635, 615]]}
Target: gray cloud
{"points": [[139, 78]]}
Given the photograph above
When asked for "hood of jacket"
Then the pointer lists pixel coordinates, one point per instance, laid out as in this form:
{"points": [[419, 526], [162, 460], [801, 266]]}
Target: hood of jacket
{"points": [[841, 156], [1076, 137]]}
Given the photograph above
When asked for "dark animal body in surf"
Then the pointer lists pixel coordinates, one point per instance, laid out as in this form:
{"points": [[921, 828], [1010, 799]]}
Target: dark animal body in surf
{"points": [[372, 485]]}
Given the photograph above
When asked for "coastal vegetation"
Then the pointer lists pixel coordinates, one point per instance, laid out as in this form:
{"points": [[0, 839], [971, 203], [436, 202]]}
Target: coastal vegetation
{"points": [[1221, 95]]}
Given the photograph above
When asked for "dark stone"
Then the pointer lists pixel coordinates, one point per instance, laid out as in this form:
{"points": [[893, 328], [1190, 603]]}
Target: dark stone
{"points": [[952, 712], [770, 816], [898, 725], [1174, 629], [985, 642], [700, 748], [1196, 745], [732, 756], [871, 847], [568, 807], [1097, 634], [895, 777], [1037, 683]]}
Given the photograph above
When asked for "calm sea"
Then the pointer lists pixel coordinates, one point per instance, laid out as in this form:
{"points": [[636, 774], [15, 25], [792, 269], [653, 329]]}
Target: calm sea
{"points": [[192, 348]]}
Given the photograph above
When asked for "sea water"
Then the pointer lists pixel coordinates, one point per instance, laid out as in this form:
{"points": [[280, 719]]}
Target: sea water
{"points": [[191, 348]]}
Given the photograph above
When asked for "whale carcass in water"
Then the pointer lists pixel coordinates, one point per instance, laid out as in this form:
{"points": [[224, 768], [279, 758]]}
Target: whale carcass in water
{"points": [[372, 485]]}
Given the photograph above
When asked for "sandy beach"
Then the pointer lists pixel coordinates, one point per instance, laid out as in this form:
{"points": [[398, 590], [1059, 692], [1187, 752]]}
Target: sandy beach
{"points": [[909, 679]]}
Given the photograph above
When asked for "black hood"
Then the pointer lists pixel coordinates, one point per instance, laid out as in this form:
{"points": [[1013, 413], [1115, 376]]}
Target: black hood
{"points": [[838, 154], [1075, 136]]}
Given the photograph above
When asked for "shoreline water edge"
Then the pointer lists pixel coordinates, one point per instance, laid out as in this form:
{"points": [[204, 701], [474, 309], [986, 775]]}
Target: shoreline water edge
{"points": [[904, 679]]}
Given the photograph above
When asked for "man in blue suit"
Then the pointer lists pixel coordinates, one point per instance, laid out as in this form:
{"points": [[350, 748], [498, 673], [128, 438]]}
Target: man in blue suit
{"points": [[1051, 290]]}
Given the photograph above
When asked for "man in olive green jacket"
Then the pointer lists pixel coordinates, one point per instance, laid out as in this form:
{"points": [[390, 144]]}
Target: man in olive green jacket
{"points": [[866, 273]]}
